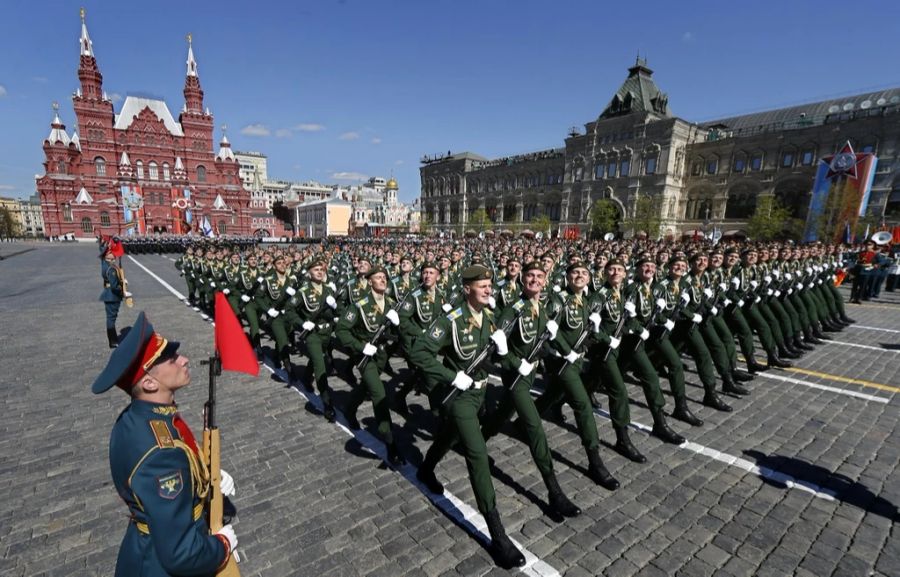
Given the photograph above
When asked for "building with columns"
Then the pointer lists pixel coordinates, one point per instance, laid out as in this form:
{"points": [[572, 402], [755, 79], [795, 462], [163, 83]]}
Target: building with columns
{"points": [[697, 173], [138, 171]]}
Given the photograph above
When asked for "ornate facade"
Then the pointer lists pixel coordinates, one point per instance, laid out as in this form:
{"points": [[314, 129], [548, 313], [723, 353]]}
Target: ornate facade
{"points": [[139, 171], [698, 173]]}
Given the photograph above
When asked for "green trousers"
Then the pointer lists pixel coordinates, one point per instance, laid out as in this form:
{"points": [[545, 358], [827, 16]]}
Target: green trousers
{"points": [[769, 317], [317, 371], [371, 383], [726, 336], [251, 313], [684, 337], [717, 350], [625, 358], [759, 325], [737, 322], [569, 385], [519, 400], [663, 354]]}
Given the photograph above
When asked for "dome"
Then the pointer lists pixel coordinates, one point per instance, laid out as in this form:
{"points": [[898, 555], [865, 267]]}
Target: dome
{"points": [[392, 184]]}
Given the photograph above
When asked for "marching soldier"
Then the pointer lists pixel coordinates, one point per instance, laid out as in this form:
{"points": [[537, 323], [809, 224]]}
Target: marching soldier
{"points": [[113, 294], [156, 465], [459, 337]]}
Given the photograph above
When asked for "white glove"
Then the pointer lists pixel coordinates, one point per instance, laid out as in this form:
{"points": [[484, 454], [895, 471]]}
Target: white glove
{"points": [[245, 298], [226, 484], [556, 288], [769, 292], [499, 338], [629, 306], [212, 284], [714, 311], [819, 281], [645, 334], [369, 350], [225, 291], [228, 532], [595, 320], [331, 286], [525, 368], [670, 324], [685, 297], [735, 282], [790, 291], [809, 270], [777, 294], [552, 328], [708, 292], [727, 302], [660, 304], [572, 357], [290, 290], [723, 286], [697, 318], [259, 279], [614, 342], [754, 284], [392, 316], [757, 300], [789, 275], [768, 279], [740, 303], [308, 325], [462, 381], [492, 302], [329, 300], [272, 313], [446, 307], [799, 286]]}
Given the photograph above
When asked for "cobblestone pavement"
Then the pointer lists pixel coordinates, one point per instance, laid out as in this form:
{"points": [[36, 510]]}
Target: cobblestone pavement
{"points": [[801, 479]]}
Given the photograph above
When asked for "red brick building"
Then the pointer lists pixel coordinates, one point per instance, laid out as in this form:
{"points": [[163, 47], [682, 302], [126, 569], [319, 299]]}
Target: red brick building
{"points": [[139, 171]]}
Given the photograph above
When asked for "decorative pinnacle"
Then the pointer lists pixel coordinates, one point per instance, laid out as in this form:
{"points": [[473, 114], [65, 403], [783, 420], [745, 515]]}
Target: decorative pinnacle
{"points": [[55, 106], [189, 38], [82, 13]]}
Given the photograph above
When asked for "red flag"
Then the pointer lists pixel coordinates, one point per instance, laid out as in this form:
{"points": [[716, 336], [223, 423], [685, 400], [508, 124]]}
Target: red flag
{"points": [[115, 247], [231, 343]]}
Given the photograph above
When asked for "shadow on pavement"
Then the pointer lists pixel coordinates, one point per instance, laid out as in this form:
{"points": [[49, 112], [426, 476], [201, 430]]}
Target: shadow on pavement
{"points": [[844, 488]]}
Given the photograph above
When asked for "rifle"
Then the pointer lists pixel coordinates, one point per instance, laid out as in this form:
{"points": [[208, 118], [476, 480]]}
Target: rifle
{"points": [[486, 351], [361, 365], [653, 319], [536, 350], [211, 458], [620, 326], [595, 308]]}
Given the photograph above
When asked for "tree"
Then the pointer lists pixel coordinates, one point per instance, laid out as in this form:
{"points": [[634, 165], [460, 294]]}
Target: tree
{"points": [[770, 220], [425, 224], [604, 217], [9, 228], [541, 223], [479, 220], [647, 211]]}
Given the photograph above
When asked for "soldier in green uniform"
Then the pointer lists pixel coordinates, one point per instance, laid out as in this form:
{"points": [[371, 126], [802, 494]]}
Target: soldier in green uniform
{"points": [[277, 290], [734, 303], [185, 266], [459, 337], [749, 284], [509, 287], [356, 329], [718, 282], [315, 309]]}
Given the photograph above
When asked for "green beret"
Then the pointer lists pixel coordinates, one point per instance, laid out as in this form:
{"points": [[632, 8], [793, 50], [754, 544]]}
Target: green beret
{"points": [[642, 261], [732, 250], [748, 250], [430, 264], [375, 270], [475, 272], [676, 258], [614, 262], [513, 258], [533, 265], [576, 265]]}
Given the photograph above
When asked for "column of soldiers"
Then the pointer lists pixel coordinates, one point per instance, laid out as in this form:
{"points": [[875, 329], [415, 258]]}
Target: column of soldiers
{"points": [[585, 316]]}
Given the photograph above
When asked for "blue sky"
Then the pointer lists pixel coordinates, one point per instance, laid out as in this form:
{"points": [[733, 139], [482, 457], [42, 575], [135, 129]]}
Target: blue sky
{"points": [[337, 91]]}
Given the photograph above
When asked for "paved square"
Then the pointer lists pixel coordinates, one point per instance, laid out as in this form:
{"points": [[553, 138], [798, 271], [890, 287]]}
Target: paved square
{"points": [[801, 479]]}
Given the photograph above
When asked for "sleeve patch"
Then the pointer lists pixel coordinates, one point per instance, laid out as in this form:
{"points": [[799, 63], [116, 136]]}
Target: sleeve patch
{"points": [[407, 306], [170, 485], [350, 316], [436, 333]]}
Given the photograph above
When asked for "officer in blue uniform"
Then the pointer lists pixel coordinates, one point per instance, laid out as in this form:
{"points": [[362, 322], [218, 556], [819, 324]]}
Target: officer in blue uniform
{"points": [[112, 295], [155, 464]]}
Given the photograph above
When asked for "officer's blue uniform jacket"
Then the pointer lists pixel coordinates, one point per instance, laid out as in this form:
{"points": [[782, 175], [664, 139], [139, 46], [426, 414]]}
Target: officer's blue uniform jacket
{"points": [[157, 474]]}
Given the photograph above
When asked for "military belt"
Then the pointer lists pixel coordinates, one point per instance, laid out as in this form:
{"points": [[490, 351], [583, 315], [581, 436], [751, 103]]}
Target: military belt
{"points": [[145, 529]]}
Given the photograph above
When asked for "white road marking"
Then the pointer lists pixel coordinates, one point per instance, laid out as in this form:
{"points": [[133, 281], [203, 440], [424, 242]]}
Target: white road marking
{"points": [[856, 394], [868, 328], [871, 348], [448, 503]]}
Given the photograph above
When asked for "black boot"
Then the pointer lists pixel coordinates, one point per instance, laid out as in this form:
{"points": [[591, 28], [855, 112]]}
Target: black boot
{"points": [[625, 448], [559, 503], [598, 472], [829, 327], [505, 553], [394, 457], [711, 399], [285, 360], [753, 367], [112, 337], [799, 344], [257, 348], [817, 331], [847, 319], [683, 413], [556, 412], [425, 474], [783, 352], [595, 402], [663, 432], [774, 361], [329, 412], [809, 337], [732, 388], [741, 376]]}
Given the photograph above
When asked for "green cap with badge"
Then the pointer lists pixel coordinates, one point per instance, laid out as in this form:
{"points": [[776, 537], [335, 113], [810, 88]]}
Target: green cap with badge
{"points": [[475, 272]]}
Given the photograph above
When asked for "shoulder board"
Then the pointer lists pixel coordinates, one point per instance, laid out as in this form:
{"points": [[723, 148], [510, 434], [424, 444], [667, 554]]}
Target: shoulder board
{"points": [[604, 291], [162, 434], [363, 301], [455, 314], [417, 292], [502, 283], [518, 306]]}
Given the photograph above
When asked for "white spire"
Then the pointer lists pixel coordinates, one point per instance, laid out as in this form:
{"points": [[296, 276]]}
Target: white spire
{"points": [[76, 141], [57, 130], [225, 151], [87, 47], [219, 204], [123, 161], [178, 164], [83, 197], [191, 63], [124, 168]]}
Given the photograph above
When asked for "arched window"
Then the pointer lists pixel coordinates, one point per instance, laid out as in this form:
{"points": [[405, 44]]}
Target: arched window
{"points": [[154, 172], [104, 218], [201, 174], [100, 166], [67, 213], [140, 169], [166, 175], [222, 228], [87, 225]]}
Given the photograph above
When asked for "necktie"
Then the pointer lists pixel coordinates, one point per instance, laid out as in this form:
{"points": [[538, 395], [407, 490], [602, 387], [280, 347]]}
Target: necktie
{"points": [[185, 432]]}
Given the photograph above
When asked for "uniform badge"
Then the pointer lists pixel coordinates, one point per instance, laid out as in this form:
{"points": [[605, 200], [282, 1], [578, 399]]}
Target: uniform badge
{"points": [[351, 316], [437, 333], [407, 306], [170, 485]]}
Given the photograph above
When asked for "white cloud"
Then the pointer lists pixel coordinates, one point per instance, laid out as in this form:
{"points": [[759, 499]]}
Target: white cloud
{"points": [[283, 132], [255, 130], [349, 176], [115, 97], [398, 162], [7, 187], [309, 127], [2, 91], [349, 136], [376, 140], [687, 37], [40, 79]]}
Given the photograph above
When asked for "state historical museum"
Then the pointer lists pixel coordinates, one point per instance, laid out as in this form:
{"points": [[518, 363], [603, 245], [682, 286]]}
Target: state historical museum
{"points": [[139, 171]]}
